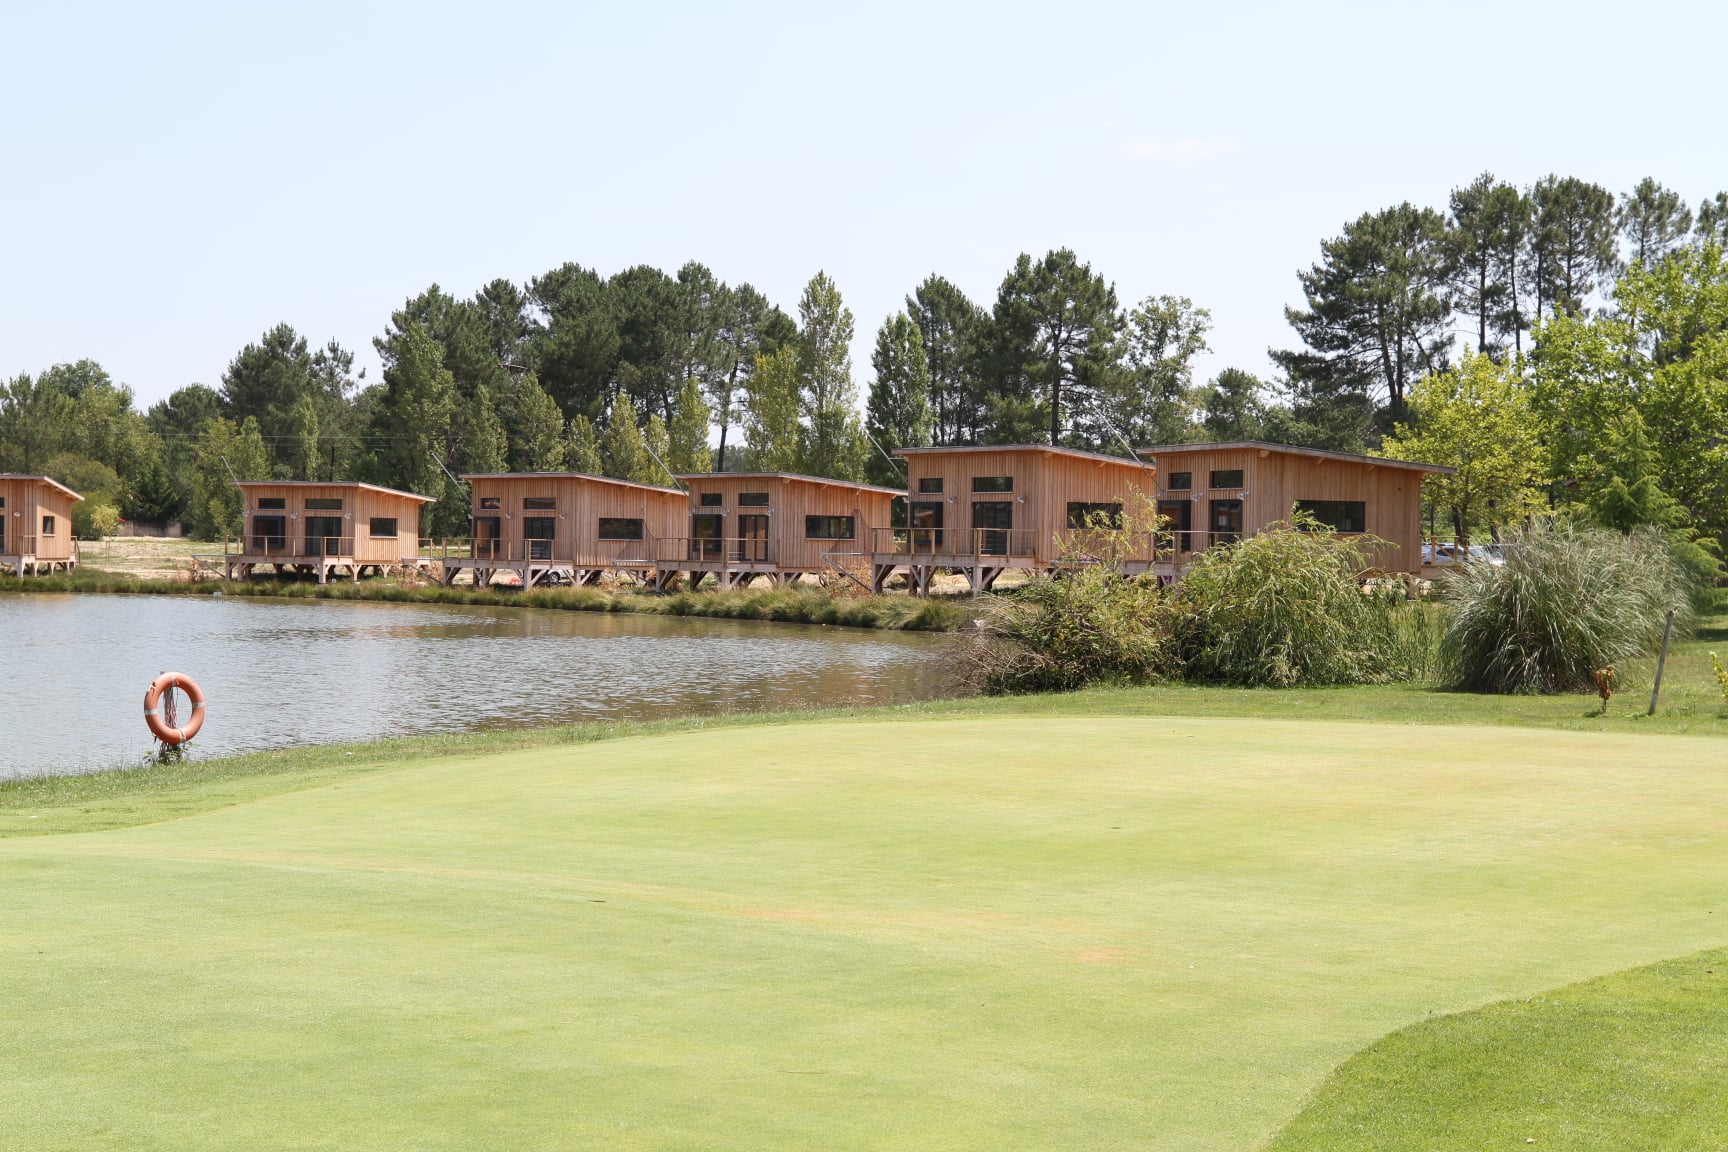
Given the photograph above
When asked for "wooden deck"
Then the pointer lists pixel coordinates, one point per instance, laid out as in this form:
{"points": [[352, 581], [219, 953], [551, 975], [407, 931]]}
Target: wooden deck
{"points": [[24, 561]]}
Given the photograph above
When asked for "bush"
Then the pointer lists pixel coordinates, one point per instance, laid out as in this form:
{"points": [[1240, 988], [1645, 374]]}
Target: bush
{"points": [[1568, 601], [1086, 626], [1286, 607]]}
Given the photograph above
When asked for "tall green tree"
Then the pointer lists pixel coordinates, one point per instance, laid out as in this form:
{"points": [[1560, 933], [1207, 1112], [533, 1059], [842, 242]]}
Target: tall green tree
{"points": [[415, 418], [178, 422], [33, 423], [1233, 407], [226, 452], [533, 427], [898, 414], [1489, 221], [1712, 225], [574, 347], [771, 428], [1053, 346], [622, 446], [833, 443], [1378, 319], [1476, 419], [952, 328], [747, 326], [1152, 399], [1572, 248], [1653, 220], [687, 432], [582, 451]]}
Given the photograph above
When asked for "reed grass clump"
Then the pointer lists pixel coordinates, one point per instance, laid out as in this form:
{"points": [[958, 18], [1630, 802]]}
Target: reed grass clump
{"points": [[1569, 601], [1287, 607]]}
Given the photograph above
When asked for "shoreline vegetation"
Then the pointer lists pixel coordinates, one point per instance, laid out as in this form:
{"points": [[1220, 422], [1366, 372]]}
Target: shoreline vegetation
{"points": [[799, 605]]}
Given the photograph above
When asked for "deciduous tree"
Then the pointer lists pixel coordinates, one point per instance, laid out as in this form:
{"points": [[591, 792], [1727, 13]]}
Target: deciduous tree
{"points": [[898, 414], [833, 444]]}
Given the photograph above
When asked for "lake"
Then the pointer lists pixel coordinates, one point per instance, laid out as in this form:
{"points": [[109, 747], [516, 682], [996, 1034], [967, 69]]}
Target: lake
{"points": [[280, 673]]}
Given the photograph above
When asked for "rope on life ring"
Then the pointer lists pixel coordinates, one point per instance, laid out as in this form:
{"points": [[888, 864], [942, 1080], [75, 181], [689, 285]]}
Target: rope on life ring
{"points": [[163, 726]]}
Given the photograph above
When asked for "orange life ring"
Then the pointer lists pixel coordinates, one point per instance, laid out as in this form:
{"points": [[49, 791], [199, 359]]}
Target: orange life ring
{"points": [[153, 708]]}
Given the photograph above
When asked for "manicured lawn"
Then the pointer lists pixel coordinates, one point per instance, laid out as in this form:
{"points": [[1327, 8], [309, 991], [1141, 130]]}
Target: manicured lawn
{"points": [[1631, 1060], [990, 931]]}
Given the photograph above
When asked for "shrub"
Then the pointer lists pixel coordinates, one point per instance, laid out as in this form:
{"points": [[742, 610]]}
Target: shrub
{"points": [[1569, 600], [1086, 626], [1285, 607]]}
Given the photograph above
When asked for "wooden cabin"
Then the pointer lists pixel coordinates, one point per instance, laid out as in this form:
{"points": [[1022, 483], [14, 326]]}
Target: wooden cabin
{"points": [[980, 511], [36, 526], [318, 528], [740, 525], [554, 526], [1213, 493]]}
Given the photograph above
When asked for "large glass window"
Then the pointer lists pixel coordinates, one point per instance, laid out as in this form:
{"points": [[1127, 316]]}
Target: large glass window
{"points": [[753, 499], [539, 503], [383, 527], [1338, 515], [1180, 481], [929, 483], [539, 532], [489, 502], [323, 504], [710, 499], [1227, 478], [1081, 515], [992, 483], [620, 528], [827, 527], [272, 503]]}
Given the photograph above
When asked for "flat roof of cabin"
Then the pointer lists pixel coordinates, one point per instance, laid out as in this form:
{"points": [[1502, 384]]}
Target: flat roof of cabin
{"points": [[1049, 449], [48, 480], [858, 484], [1292, 450], [332, 484], [571, 476]]}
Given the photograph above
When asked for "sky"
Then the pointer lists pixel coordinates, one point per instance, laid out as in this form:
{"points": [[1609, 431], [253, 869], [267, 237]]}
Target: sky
{"points": [[178, 179]]}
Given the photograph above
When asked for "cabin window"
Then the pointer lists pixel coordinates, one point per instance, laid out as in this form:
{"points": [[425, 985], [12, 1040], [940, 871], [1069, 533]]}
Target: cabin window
{"points": [[620, 528], [47, 525], [929, 483], [827, 527], [752, 499], [1180, 481], [992, 483], [272, 503], [539, 503], [490, 503], [1082, 515], [2, 501], [1338, 515], [324, 504], [1227, 478], [711, 500], [383, 527]]}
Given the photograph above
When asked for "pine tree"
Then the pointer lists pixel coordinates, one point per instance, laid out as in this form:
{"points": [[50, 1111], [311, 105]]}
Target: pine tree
{"points": [[953, 330], [898, 415], [1233, 407], [833, 444], [532, 426], [479, 444], [582, 448], [1571, 248], [1654, 221], [1052, 347], [1712, 226], [1489, 222], [687, 432], [416, 412]]}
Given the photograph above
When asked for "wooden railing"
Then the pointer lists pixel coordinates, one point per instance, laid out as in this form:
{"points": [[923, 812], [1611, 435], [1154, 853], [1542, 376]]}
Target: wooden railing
{"points": [[286, 548], [955, 542], [13, 545], [674, 550], [594, 554]]}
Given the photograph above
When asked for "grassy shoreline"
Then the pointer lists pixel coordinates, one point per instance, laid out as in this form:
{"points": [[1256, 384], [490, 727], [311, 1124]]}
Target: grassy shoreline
{"points": [[775, 605]]}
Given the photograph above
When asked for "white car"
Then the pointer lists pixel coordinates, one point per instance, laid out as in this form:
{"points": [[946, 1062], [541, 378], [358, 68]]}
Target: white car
{"points": [[1441, 555]]}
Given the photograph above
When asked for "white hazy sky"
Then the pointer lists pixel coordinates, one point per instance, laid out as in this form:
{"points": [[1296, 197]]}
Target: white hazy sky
{"points": [[176, 179]]}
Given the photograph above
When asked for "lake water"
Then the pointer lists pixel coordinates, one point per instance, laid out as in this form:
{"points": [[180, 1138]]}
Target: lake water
{"points": [[281, 673]]}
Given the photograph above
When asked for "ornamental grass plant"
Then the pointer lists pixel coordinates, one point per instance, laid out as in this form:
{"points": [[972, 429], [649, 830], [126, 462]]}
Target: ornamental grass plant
{"points": [[1569, 601]]}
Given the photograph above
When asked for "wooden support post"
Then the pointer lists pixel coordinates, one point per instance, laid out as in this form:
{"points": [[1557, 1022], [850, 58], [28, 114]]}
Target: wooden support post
{"points": [[1661, 661]]}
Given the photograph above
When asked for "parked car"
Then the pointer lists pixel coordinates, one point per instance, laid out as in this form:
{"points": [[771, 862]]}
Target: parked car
{"points": [[1446, 552]]}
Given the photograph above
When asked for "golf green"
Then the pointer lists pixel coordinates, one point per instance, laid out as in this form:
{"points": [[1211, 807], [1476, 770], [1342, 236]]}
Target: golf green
{"points": [[991, 933]]}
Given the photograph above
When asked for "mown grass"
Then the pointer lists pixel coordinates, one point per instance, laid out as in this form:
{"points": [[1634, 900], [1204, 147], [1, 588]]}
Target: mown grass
{"points": [[996, 931], [797, 605], [1632, 1060]]}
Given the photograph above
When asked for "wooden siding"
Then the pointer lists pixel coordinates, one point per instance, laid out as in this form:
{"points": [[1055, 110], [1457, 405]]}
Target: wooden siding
{"points": [[581, 501], [790, 500], [1273, 481], [1045, 483], [28, 500], [360, 504]]}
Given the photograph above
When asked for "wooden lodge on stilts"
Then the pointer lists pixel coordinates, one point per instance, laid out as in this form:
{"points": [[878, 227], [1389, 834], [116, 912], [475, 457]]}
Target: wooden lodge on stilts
{"points": [[322, 528], [36, 526], [981, 511], [741, 525], [553, 527]]}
